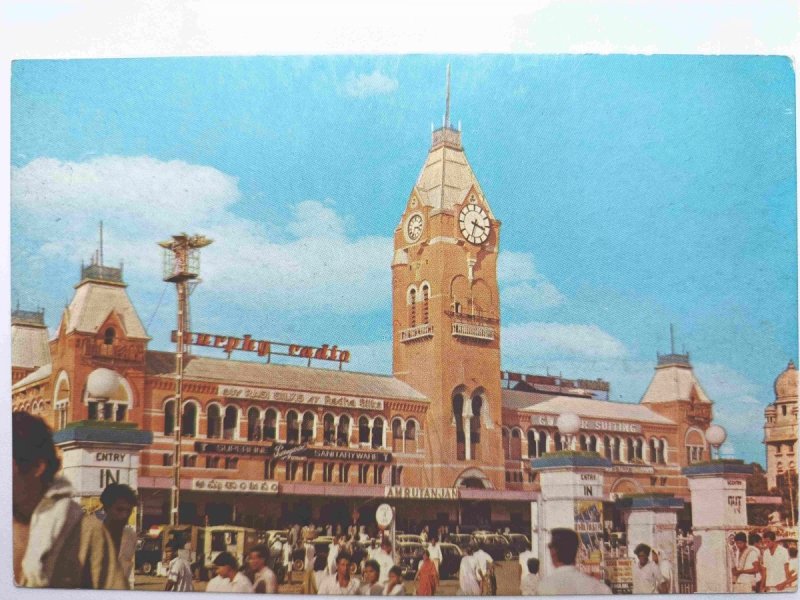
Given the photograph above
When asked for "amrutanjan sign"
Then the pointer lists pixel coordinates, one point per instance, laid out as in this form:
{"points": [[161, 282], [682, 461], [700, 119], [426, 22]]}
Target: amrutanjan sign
{"points": [[421, 493], [246, 343], [591, 424], [270, 395], [235, 485], [293, 451]]}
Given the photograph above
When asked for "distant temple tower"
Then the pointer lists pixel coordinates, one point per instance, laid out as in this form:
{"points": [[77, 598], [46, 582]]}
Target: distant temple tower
{"points": [[780, 429]]}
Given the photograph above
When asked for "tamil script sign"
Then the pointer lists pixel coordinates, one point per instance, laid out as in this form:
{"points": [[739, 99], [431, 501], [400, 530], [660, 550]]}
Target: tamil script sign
{"points": [[235, 485], [418, 493], [293, 452], [590, 424], [250, 393]]}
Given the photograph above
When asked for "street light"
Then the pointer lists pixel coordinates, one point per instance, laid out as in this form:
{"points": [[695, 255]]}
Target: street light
{"points": [[716, 436], [568, 425]]}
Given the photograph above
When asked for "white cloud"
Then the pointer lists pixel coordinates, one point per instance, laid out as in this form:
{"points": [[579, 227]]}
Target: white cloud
{"points": [[56, 206], [522, 288], [560, 341], [372, 84]]}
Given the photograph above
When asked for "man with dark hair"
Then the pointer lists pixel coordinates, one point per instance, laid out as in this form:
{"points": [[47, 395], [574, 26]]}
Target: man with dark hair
{"points": [[395, 586], [775, 571], [341, 583], [647, 577], [179, 572], [746, 565], [530, 581], [371, 572], [228, 577], [55, 544], [264, 580], [118, 502], [566, 579]]}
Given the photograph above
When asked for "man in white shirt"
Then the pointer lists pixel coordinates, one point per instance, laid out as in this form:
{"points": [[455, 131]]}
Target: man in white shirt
{"points": [[228, 577], [264, 580], [435, 552], [566, 579], [529, 586], [647, 577], [483, 564], [747, 565], [385, 560], [775, 565], [333, 552], [524, 557], [341, 583], [468, 582], [179, 572], [371, 587]]}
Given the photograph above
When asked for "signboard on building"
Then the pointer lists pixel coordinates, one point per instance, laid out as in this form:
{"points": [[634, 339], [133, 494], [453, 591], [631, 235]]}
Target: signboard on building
{"points": [[591, 424], [619, 574], [293, 451], [302, 398], [421, 493], [235, 485], [90, 470]]}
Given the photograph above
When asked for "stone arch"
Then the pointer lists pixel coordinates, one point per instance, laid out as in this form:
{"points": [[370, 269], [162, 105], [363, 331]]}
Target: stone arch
{"points": [[625, 486], [481, 298], [473, 478], [214, 411]]}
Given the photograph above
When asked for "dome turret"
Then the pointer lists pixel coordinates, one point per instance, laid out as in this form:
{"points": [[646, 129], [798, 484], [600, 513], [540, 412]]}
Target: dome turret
{"points": [[786, 383]]}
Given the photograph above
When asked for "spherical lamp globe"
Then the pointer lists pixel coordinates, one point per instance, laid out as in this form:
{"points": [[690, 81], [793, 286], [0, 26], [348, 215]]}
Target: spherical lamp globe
{"points": [[716, 435], [568, 424], [102, 383]]}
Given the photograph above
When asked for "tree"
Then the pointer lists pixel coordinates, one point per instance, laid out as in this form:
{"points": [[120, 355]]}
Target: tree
{"points": [[756, 485]]}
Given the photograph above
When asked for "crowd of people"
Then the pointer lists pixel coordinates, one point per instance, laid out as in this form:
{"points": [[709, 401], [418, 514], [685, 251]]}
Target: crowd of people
{"points": [[761, 564]]}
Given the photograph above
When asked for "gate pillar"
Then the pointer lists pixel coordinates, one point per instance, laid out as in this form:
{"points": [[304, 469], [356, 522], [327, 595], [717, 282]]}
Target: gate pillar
{"points": [[652, 519], [719, 509]]}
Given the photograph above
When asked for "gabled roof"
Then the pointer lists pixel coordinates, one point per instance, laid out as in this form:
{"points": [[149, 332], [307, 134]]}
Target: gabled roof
{"points": [[674, 382], [94, 301], [42, 372], [539, 403], [458, 175], [285, 377], [29, 346]]}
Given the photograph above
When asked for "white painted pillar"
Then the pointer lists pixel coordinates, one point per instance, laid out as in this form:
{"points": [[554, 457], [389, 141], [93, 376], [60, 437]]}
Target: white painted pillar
{"points": [[467, 438]]}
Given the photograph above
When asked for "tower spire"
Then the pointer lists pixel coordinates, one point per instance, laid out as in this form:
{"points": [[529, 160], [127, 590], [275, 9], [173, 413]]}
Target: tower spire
{"points": [[101, 243], [447, 100]]}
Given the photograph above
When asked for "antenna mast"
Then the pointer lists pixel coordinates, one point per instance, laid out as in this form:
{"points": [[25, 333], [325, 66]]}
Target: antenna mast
{"points": [[101, 243], [447, 100]]}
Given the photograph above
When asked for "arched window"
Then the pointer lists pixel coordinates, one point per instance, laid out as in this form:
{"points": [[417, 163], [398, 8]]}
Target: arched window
{"points": [[695, 445], [639, 449], [328, 430], [515, 447], [506, 445], [617, 443], [253, 424], [292, 427], [662, 452], [214, 422], [230, 423], [426, 292], [377, 434], [458, 416], [169, 417], [189, 419], [542, 444], [533, 450], [592, 443], [61, 400], [412, 308], [307, 428], [411, 436], [631, 447], [607, 449], [108, 336], [583, 443], [363, 430], [397, 435], [652, 446], [270, 424], [475, 427], [343, 431], [558, 441]]}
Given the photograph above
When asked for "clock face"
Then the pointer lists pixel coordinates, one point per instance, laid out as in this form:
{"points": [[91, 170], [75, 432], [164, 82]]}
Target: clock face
{"points": [[383, 515], [414, 227], [474, 224]]}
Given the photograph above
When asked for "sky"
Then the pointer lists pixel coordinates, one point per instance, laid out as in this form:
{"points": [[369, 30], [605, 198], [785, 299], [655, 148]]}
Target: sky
{"points": [[634, 192]]}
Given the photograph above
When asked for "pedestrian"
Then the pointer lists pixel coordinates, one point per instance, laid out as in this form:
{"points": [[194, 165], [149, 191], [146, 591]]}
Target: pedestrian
{"points": [[329, 530], [566, 579], [334, 548], [55, 544], [524, 557], [264, 580], [485, 566], [370, 575], [394, 587], [667, 571], [529, 586], [228, 578], [647, 577], [294, 535], [756, 542], [424, 534], [435, 552], [468, 582], [747, 564], [775, 569], [385, 559], [179, 572], [427, 576], [118, 502], [341, 583]]}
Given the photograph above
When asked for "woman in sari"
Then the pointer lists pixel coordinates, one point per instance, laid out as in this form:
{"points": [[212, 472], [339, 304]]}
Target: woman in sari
{"points": [[427, 576]]}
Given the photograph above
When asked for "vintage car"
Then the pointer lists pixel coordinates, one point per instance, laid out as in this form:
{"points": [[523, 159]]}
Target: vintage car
{"points": [[496, 546], [451, 561], [462, 540], [519, 542], [409, 554]]}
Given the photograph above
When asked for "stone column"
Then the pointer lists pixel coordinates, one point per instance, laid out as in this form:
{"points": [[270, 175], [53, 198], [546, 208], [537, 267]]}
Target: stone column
{"points": [[652, 519], [572, 489], [467, 438], [719, 510]]}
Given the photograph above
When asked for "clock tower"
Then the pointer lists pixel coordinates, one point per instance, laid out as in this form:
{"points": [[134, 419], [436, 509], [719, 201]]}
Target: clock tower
{"points": [[446, 316]]}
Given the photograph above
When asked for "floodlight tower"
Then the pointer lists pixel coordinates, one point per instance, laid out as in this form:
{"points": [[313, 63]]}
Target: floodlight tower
{"points": [[181, 265]]}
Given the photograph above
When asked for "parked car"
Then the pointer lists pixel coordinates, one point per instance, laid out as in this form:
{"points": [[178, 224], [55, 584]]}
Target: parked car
{"points": [[519, 542], [148, 555], [409, 537], [462, 540], [410, 553], [451, 561], [496, 546]]}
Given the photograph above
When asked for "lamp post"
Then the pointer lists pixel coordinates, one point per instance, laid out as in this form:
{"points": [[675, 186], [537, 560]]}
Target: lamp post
{"points": [[181, 265], [716, 436], [568, 425]]}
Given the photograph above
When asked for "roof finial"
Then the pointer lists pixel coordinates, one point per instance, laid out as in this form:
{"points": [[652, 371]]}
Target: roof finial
{"points": [[447, 100]]}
